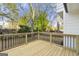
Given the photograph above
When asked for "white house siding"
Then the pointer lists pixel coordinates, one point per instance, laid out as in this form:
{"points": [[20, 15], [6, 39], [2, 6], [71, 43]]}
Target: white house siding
{"points": [[71, 26], [71, 23]]}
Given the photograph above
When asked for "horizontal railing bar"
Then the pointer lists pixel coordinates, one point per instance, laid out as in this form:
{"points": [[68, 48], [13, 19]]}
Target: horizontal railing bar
{"points": [[70, 35], [47, 33], [18, 34]]}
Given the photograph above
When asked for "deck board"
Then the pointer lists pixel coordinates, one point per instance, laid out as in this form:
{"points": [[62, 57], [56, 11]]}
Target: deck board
{"points": [[39, 48]]}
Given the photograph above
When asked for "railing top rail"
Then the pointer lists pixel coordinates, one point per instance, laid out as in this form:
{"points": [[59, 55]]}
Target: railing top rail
{"points": [[18, 33], [60, 34], [70, 34], [12, 34], [47, 33], [52, 33]]}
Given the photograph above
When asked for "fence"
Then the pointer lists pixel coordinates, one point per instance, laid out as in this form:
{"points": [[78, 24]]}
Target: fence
{"points": [[8, 41]]}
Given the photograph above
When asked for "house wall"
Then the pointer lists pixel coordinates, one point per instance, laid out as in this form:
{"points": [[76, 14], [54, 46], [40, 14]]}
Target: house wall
{"points": [[71, 23], [11, 25], [71, 26]]}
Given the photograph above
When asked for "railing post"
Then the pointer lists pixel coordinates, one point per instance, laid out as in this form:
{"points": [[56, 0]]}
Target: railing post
{"points": [[26, 38], [0, 43], [38, 35], [50, 38], [77, 45]]}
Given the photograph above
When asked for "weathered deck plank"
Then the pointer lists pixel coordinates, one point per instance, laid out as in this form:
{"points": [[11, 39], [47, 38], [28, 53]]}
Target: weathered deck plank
{"points": [[39, 48]]}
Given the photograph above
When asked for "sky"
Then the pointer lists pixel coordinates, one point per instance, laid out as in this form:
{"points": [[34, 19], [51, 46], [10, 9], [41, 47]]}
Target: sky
{"points": [[50, 11], [25, 8]]}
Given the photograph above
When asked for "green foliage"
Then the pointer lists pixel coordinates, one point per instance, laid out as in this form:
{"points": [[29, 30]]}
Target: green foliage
{"points": [[41, 23], [22, 21], [24, 29], [61, 27]]}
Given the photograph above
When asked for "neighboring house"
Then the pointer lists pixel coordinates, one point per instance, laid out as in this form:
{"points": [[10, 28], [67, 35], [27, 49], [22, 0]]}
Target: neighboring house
{"points": [[6, 23], [0, 26], [11, 25]]}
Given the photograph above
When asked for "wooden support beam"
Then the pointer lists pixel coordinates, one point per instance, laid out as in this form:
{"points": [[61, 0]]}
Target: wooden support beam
{"points": [[77, 45], [26, 38], [38, 35], [50, 38]]}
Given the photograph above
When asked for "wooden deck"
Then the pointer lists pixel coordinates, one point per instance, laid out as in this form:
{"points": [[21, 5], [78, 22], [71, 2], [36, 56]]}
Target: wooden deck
{"points": [[39, 48]]}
